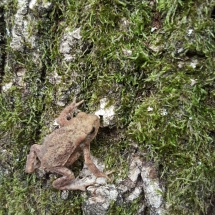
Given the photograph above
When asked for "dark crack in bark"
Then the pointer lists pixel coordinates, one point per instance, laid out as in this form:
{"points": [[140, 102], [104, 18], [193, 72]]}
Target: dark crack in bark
{"points": [[2, 43]]}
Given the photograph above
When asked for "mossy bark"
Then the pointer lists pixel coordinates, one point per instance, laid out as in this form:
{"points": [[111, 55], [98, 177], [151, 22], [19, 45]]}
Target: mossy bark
{"points": [[154, 60]]}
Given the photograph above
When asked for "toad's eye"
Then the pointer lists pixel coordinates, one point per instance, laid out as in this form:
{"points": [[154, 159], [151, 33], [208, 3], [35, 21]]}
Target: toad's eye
{"points": [[92, 131]]}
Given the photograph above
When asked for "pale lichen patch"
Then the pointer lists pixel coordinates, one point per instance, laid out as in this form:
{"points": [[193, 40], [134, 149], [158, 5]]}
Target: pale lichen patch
{"points": [[107, 112]]}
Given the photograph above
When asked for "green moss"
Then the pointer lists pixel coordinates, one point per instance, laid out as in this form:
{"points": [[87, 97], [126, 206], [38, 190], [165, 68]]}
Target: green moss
{"points": [[129, 209], [177, 134], [175, 123], [27, 197]]}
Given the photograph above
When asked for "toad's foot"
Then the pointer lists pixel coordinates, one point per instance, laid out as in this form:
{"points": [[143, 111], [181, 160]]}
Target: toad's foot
{"points": [[81, 184], [67, 177]]}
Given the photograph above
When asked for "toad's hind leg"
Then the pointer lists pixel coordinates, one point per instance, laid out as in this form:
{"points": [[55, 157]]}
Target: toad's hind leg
{"points": [[66, 179], [35, 152]]}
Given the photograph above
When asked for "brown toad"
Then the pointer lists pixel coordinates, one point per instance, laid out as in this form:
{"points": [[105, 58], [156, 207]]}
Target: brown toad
{"points": [[62, 148]]}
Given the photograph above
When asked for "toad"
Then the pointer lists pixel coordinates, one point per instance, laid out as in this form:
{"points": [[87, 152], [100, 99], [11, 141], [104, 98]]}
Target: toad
{"points": [[63, 146]]}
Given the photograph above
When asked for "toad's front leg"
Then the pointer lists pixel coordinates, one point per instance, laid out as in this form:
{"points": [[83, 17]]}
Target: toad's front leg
{"points": [[92, 167], [62, 119]]}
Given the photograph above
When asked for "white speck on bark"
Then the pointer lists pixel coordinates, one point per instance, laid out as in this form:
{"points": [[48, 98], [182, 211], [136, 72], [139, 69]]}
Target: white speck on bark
{"points": [[106, 112], [68, 42], [7, 86]]}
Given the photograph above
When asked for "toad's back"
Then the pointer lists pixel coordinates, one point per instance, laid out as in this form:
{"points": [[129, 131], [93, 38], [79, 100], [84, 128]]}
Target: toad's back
{"points": [[62, 143]]}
